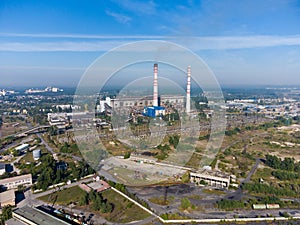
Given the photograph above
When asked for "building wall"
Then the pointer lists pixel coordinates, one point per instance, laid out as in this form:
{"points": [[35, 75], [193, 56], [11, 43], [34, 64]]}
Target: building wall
{"points": [[11, 202], [7, 198], [2, 171], [14, 182]]}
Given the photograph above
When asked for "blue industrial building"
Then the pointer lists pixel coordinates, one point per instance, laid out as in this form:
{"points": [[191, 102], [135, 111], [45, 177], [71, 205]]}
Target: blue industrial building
{"points": [[154, 111]]}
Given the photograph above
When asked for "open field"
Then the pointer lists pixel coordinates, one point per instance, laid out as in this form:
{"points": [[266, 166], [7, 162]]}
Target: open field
{"points": [[124, 210], [64, 197]]}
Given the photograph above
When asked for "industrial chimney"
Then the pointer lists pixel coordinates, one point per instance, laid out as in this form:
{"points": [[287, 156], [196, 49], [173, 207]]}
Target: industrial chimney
{"points": [[188, 90], [155, 88]]}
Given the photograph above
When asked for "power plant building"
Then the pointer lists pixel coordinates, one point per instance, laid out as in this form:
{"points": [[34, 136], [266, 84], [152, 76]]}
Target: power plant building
{"points": [[150, 103]]}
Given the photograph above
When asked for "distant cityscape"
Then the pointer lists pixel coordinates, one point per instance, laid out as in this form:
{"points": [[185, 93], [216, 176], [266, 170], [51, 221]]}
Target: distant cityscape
{"points": [[38, 131]]}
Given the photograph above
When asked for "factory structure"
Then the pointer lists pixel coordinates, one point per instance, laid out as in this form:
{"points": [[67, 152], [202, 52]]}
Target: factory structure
{"points": [[152, 105]]}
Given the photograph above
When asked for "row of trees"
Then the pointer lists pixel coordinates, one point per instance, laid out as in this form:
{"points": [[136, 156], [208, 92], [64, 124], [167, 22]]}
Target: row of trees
{"points": [[286, 164], [270, 190], [285, 175]]}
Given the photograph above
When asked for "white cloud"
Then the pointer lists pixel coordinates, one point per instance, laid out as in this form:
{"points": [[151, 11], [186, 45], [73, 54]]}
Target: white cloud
{"points": [[121, 18], [79, 36], [59, 46], [194, 43], [140, 7]]}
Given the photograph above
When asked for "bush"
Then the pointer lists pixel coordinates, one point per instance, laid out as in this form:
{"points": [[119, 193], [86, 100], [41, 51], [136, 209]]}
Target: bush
{"points": [[185, 203]]}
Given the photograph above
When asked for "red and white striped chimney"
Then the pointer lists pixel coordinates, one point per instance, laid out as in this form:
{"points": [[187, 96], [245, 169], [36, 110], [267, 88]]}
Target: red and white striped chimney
{"points": [[188, 90], [155, 87]]}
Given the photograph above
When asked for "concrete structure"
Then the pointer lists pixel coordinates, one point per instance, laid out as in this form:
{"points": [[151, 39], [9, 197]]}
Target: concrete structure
{"points": [[103, 104], [99, 186], [7, 198], [155, 86], [36, 154], [14, 182], [33, 216], [143, 159], [175, 100], [2, 168], [188, 91], [58, 119], [212, 178], [14, 221], [22, 147], [62, 120]]}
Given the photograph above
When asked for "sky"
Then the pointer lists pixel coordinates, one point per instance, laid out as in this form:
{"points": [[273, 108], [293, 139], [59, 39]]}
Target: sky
{"points": [[250, 42]]}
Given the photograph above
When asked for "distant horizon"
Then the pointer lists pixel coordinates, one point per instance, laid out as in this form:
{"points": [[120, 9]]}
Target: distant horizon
{"points": [[235, 86]]}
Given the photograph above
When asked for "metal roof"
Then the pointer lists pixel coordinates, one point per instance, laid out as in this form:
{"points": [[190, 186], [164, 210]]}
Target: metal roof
{"points": [[37, 216]]}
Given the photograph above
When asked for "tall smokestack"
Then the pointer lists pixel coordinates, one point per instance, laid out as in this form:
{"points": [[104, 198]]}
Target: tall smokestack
{"points": [[188, 90], [155, 88]]}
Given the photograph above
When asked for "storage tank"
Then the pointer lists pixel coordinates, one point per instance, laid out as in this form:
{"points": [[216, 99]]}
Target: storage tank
{"points": [[36, 154]]}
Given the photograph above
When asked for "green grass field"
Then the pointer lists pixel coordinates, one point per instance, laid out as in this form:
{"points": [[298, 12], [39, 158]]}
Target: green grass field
{"points": [[65, 196], [124, 210]]}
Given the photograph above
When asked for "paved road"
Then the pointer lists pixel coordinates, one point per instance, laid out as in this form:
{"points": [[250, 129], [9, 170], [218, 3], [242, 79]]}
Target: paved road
{"points": [[75, 158], [238, 194], [46, 144], [252, 171]]}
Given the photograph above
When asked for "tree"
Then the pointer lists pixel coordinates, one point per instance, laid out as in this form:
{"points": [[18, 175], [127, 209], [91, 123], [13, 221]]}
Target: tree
{"points": [[97, 203], [185, 203], [6, 212], [273, 161], [84, 199], [186, 177], [288, 164], [127, 155], [174, 140], [92, 196], [21, 188]]}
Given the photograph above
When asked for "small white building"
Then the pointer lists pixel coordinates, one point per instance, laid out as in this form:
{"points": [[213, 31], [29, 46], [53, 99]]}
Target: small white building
{"points": [[2, 168], [101, 106], [22, 147]]}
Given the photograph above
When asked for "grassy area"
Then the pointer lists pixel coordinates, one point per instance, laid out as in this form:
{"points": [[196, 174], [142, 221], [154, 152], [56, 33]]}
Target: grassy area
{"points": [[29, 155], [124, 211], [161, 201], [213, 192], [65, 196], [194, 161], [264, 173]]}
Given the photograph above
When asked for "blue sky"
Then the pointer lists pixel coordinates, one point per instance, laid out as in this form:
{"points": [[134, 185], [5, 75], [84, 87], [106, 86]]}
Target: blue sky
{"points": [[255, 42]]}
